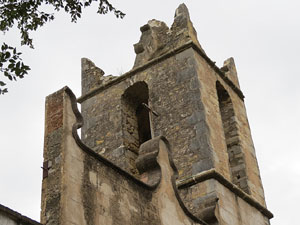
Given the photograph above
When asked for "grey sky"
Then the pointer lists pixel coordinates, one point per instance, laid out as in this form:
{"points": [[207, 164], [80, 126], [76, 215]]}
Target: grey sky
{"points": [[262, 36]]}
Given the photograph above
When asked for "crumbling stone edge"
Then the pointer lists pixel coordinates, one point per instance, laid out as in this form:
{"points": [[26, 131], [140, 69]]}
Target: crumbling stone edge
{"points": [[78, 124], [17, 217], [213, 174], [189, 44]]}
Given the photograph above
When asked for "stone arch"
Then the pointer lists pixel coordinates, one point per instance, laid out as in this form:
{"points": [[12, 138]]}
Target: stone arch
{"points": [[235, 154], [135, 116]]}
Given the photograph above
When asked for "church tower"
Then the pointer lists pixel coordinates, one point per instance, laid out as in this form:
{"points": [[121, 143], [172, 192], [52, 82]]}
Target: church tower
{"points": [[175, 90]]}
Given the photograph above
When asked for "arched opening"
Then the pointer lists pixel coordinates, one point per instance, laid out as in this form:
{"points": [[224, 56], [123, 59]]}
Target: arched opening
{"points": [[135, 116], [235, 154]]}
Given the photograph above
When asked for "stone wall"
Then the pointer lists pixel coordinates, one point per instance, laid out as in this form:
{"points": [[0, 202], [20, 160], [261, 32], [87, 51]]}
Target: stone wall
{"points": [[215, 199], [230, 209], [53, 140], [204, 130], [173, 94], [93, 190], [130, 125], [208, 78]]}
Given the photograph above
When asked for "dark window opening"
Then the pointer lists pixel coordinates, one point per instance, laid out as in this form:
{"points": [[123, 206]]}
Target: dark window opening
{"points": [[235, 154], [144, 131], [135, 116]]}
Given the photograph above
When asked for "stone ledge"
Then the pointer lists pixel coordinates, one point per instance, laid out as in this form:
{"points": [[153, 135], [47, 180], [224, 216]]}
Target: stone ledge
{"points": [[213, 174]]}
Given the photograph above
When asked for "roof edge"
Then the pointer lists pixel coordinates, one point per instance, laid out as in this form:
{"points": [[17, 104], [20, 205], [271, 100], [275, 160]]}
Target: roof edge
{"points": [[18, 217]]}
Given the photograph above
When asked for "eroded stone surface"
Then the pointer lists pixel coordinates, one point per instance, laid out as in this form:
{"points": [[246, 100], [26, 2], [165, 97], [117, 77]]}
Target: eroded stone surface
{"points": [[157, 38]]}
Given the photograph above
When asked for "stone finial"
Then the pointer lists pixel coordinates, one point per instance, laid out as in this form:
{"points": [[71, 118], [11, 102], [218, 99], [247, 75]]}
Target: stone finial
{"points": [[92, 76], [230, 71], [183, 26], [182, 10], [87, 65]]}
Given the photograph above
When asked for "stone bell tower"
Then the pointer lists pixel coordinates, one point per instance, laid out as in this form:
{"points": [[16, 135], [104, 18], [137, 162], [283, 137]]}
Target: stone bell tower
{"points": [[175, 90]]}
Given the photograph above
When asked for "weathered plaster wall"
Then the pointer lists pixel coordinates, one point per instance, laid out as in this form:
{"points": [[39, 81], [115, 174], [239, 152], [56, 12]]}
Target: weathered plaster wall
{"points": [[208, 78], [219, 202], [4, 220], [233, 210], [51, 188], [93, 191]]}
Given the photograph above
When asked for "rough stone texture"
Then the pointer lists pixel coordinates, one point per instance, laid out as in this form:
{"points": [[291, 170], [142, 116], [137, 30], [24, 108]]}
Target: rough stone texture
{"points": [[174, 95], [95, 191], [51, 191], [157, 38], [175, 91]]}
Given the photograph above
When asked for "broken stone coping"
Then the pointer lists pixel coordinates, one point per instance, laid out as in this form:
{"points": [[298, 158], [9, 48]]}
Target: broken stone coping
{"points": [[187, 45]]}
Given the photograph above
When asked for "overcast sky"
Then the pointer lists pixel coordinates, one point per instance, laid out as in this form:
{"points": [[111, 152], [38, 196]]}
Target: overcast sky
{"points": [[262, 36]]}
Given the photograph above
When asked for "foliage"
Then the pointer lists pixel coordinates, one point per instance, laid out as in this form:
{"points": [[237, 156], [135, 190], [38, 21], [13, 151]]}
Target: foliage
{"points": [[27, 16]]}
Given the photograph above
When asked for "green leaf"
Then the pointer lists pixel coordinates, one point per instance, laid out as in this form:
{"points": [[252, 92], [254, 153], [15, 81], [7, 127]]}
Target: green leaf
{"points": [[28, 16], [7, 55], [10, 66]]}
